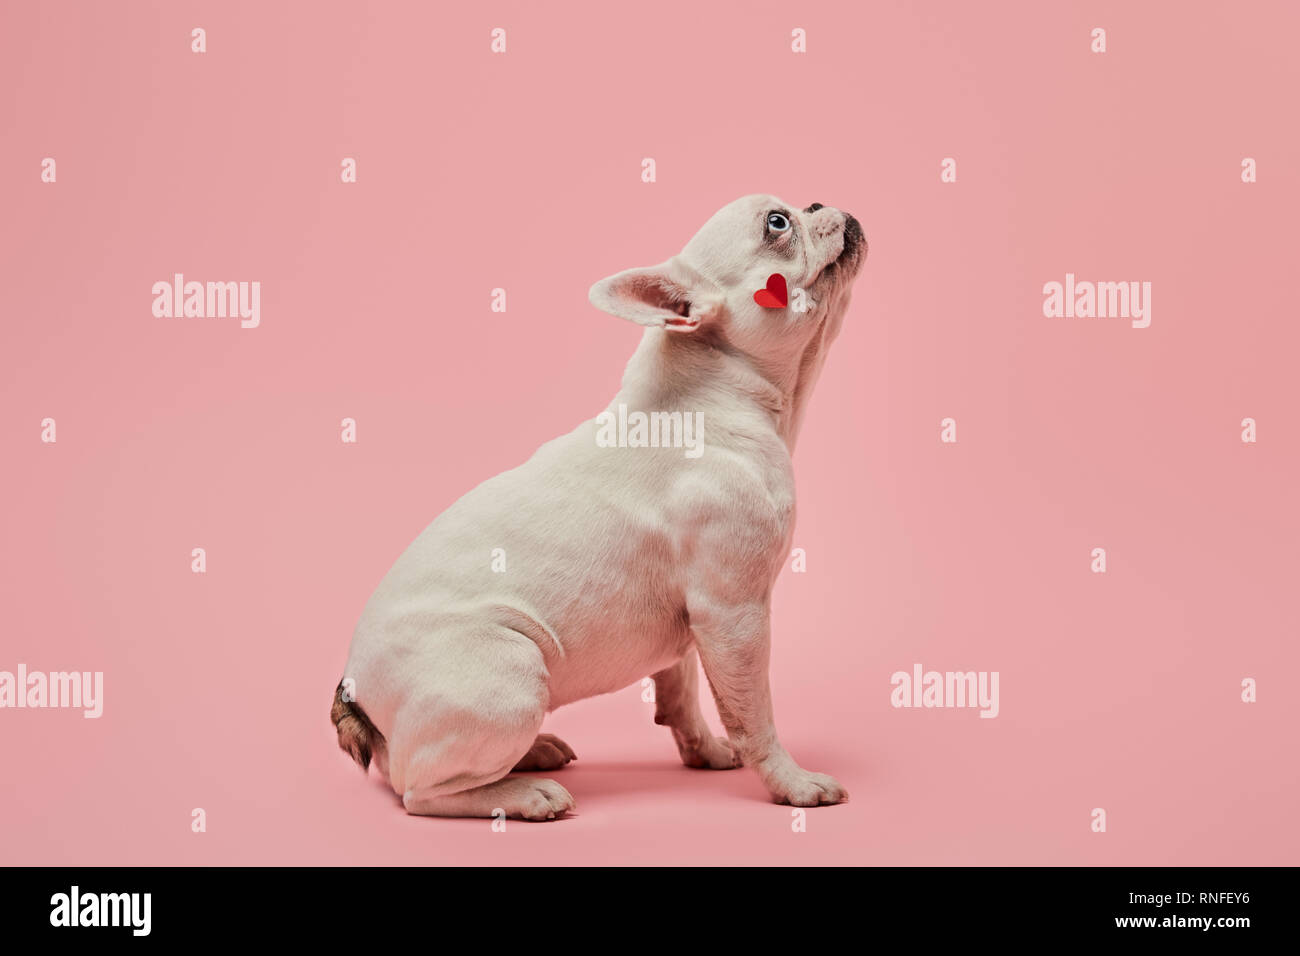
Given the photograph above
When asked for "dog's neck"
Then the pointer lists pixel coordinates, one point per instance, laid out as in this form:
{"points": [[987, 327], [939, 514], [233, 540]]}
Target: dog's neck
{"points": [[670, 371]]}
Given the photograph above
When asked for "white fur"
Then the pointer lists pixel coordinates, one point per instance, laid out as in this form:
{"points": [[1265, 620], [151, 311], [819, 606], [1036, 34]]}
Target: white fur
{"points": [[621, 562]]}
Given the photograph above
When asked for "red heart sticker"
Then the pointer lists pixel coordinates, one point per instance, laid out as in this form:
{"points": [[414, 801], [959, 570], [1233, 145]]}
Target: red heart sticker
{"points": [[774, 296]]}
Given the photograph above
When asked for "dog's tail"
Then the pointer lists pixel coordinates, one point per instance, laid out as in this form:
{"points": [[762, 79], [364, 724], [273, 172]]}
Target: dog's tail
{"points": [[357, 735]]}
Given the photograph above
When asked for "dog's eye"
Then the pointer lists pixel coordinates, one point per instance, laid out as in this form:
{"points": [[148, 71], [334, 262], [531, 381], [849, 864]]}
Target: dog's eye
{"points": [[777, 222]]}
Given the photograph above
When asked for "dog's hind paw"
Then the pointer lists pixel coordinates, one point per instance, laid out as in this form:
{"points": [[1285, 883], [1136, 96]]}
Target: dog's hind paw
{"points": [[548, 752], [540, 800]]}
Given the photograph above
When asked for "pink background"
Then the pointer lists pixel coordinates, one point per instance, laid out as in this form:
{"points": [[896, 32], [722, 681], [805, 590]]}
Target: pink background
{"points": [[522, 171]]}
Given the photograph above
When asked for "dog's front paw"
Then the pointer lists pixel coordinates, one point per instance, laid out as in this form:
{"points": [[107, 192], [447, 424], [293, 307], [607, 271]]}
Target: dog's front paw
{"points": [[710, 753], [801, 788]]}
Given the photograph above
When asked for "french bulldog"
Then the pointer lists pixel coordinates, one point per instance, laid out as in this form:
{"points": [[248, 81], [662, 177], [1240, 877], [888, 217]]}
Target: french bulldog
{"points": [[619, 559]]}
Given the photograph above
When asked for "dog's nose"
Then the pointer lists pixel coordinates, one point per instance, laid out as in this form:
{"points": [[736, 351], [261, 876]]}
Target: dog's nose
{"points": [[814, 207]]}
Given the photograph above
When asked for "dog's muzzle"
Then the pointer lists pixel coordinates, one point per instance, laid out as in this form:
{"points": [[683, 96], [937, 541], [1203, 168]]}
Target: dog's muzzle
{"points": [[854, 241]]}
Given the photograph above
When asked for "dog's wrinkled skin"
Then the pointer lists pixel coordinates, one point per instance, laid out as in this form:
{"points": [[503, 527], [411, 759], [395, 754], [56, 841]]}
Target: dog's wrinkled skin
{"points": [[621, 562]]}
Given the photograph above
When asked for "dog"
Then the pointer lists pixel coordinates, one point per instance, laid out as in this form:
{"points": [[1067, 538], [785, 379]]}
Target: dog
{"points": [[619, 561]]}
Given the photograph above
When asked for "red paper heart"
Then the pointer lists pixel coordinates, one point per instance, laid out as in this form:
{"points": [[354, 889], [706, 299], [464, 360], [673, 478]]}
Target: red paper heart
{"points": [[774, 296]]}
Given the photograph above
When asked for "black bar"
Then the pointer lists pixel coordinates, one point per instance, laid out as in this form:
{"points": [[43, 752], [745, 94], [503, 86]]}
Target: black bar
{"points": [[975, 905]]}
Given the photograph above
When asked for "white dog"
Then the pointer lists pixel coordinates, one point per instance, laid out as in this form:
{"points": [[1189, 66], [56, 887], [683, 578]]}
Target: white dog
{"points": [[619, 559]]}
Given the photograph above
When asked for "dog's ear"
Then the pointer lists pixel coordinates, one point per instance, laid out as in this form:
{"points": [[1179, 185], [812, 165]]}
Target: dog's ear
{"points": [[671, 296]]}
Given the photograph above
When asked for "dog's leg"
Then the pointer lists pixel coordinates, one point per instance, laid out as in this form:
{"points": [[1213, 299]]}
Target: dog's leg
{"points": [[524, 798], [677, 706], [734, 647], [474, 717], [548, 752]]}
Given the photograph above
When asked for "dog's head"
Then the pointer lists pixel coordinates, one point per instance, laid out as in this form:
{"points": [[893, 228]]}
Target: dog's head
{"points": [[708, 290]]}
